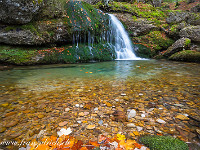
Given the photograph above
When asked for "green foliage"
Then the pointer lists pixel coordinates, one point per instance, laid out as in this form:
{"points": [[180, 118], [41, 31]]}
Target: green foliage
{"points": [[186, 55], [163, 143]]}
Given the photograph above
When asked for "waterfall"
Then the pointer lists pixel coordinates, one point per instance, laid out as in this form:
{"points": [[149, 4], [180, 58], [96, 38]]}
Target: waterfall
{"points": [[121, 41]]}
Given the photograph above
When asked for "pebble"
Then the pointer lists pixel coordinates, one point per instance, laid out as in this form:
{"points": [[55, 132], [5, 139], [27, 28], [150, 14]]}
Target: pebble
{"points": [[130, 125], [132, 114], [123, 94], [143, 115], [182, 117], [61, 124], [139, 128], [67, 109], [160, 121], [95, 109], [79, 122], [100, 122], [77, 105]]}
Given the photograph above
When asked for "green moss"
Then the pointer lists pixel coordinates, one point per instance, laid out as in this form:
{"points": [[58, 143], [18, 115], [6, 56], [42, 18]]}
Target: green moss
{"points": [[186, 55], [156, 40], [17, 56], [163, 143], [187, 42]]}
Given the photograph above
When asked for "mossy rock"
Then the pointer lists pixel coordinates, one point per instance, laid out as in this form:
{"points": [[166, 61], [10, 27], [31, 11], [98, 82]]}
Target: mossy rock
{"points": [[21, 55], [155, 40], [163, 143], [186, 55]]}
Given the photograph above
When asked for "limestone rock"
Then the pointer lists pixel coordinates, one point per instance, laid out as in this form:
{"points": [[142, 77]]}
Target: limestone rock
{"points": [[18, 11], [179, 45], [139, 27], [176, 17], [192, 32]]}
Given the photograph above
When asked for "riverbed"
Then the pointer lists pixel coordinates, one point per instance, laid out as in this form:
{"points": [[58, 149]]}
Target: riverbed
{"points": [[96, 98]]}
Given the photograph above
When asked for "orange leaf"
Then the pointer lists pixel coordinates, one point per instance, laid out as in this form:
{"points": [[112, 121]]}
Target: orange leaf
{"points": [[83, 148], [94, 143], [137, 145], [42, 147]]}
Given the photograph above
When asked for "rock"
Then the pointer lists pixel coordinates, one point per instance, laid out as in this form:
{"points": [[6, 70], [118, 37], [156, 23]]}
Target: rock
{"points": [[61, 124], [123, 94], [179, 45], [131, 114], [67, 109], [130, 125], [90, 127], [18, 11], [100, 122], [192, 32], [137, 27], [77, 105], [160, 121], [176, 17], [139, 128], [12, 123], [119, 116], [182, 117]]}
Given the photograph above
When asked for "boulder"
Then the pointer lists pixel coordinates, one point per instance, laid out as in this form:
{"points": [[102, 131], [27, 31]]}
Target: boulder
{"points": [[179, 45], [177, 17], [19, 11], [136, 27], [192, 32], [36, 34]]}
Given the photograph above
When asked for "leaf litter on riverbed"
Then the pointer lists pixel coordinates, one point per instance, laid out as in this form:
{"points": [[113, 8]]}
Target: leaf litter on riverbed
{"points": [[66, 142]]}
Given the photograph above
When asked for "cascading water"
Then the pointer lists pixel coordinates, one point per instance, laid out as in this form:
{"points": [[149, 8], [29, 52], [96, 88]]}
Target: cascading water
{"points": [[121, 41]]}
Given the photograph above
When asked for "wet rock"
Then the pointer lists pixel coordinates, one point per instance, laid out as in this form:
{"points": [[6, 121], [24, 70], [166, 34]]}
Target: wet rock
{"points": [[12, 123]]}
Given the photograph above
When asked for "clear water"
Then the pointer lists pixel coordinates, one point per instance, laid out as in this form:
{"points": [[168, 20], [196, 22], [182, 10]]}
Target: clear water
{"points": [[121, 40], [32, 77], [171, 88]]}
